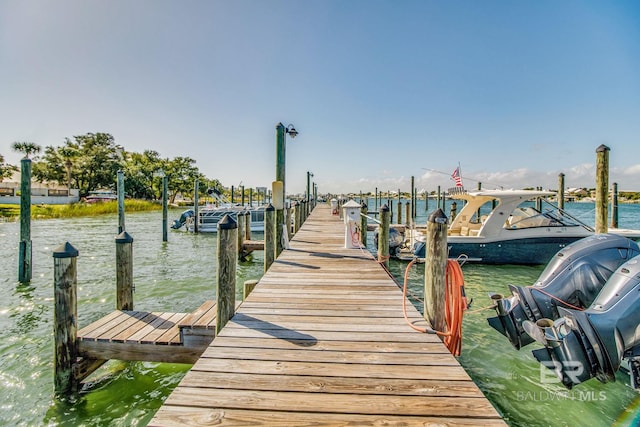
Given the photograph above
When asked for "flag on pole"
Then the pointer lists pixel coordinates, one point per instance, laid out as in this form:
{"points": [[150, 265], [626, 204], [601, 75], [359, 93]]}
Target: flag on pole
{"points": [[456, 177]]}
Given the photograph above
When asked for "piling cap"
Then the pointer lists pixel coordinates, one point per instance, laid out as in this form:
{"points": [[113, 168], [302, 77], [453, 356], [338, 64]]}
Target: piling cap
{"points": [[270, 208], [363, 205], [124, 237], [602, 148], [227, 223], [438, 217], [384, 208], [65, 250]]}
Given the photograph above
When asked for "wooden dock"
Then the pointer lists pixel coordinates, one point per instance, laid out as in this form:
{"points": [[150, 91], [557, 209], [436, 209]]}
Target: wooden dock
{"points": [[322, 341]]}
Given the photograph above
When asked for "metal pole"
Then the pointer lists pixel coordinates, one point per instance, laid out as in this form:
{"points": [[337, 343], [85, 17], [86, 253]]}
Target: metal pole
{"points": [[165, 189]]}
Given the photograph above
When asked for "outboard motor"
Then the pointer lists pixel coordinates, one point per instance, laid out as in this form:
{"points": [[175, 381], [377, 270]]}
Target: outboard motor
{"points": [[592, 343], [573, 278], [177, 223], [396, 240]]}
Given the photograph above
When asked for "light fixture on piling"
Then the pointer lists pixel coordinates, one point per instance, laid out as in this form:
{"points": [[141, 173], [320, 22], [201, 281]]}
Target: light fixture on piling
{"points": [[291, 131]]}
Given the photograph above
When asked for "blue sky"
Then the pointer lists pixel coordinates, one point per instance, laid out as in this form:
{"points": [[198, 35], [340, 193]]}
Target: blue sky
{"points": [[516, 92]]}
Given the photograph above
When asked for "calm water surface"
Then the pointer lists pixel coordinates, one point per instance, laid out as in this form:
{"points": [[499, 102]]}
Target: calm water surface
{"points": [[180, 274]]}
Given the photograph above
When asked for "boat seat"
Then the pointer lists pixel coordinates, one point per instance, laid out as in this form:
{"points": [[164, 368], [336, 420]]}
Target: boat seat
{"points": [[464, 231]]}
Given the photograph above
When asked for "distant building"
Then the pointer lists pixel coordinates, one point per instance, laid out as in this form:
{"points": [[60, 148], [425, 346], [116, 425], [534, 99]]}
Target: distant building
{"points": [[41, 193]]}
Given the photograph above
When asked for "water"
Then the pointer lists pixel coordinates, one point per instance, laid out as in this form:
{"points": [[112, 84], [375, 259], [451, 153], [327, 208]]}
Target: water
{"points": [[180, 274]]}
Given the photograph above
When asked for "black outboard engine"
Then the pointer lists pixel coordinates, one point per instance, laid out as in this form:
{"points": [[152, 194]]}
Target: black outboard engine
{"points": [[177, 223], [573, 278], [592, 343]]}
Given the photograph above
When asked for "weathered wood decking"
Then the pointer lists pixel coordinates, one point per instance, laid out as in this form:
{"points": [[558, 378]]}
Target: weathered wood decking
{"points": [[322, 341]]}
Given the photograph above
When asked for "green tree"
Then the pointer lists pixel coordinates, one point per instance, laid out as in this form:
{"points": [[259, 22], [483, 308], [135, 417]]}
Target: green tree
{"points": [[138, 173], [26, 148], [181, 173], [6, 170]]}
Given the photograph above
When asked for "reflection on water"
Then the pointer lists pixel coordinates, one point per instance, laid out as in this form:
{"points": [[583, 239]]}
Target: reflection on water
{"points": [[180, 274]]}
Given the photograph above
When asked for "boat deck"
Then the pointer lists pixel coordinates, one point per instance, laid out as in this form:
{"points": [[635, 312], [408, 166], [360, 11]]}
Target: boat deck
{"points": [[322, 340]]}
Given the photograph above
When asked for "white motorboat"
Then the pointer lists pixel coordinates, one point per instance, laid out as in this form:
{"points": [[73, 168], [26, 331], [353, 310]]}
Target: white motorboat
{"points": [[505, 227]]}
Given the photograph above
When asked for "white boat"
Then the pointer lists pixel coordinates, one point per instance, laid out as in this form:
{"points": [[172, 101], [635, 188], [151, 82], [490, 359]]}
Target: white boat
{"points": [[504, 227], [211, 214], [101, 196]]}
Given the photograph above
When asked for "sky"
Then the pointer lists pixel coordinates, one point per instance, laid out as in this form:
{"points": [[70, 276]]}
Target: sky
{"points": [[380, 91]]}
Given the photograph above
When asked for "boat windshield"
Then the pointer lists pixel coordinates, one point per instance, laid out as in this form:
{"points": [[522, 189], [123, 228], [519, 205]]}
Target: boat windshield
{"points": [[529, 217]]}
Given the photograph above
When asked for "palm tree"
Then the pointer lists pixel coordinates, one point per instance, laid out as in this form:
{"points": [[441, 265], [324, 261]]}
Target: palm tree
{"points": [[26, 148], [67, 154]]}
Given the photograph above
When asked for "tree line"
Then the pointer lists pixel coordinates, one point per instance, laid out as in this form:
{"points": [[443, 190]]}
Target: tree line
{"points": [[90, 162]]}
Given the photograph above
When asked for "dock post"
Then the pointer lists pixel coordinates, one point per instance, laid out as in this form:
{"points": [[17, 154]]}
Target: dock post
{"points": [[438, 206], [364, 210], [248, 287], [413, 197], [25, 256], [399, 212], [196, 205], [242, 195], [561, 191], [165, 190], [226, 284], [407, 214], [120, 191], [65, 324], [269, 236], [454, 211], [297, 206], [614, 206], [247, 225], [124, 271], [233, 191], [383, 235], [241, 224], [435, 270], [376, 200], [602, 188]]}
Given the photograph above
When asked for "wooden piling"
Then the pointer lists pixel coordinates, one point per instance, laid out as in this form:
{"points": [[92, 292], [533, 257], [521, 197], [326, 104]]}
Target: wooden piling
{"points": [[364, 210], [383, 235], [400, 207], [25, 256], [413, 197], [247, 225], [196, 205], [435, 270], [248, 287], [602, 188], [65, 320], [561, 191], [240, 235], [407, 215], [614, 206], [269, 235], [120, 191], [226, 283], [124, 271], [297, 207]]}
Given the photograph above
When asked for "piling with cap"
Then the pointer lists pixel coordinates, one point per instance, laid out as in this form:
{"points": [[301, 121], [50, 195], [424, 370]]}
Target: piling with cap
{"points": [[226, 283], [124, 271], [435, 269]]}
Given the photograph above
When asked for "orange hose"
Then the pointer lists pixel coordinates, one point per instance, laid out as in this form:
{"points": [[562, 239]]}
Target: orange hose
{"points": [[455, 305]]}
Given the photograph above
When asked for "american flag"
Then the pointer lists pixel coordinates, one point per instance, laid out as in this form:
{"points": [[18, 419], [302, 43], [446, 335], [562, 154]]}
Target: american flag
{"points": [[456, 177]]}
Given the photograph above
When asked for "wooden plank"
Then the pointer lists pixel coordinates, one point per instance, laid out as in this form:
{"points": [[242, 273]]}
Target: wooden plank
{"points": [[333, 402], [94, 329], [180, 416], [320, 384], [195, 316], [137, 351]]}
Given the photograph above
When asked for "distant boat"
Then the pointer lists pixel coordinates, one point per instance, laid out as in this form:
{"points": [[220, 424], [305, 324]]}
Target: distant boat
{"points": [[101, 196], [504, 227], [210, 215]]}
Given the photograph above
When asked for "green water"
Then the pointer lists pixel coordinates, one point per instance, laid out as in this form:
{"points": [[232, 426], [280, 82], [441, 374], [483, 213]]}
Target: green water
{"points": [[179, 275]]}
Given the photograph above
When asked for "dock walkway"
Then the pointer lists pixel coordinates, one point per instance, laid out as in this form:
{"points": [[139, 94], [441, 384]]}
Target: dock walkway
{"points": [[321, 340]]}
